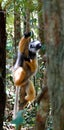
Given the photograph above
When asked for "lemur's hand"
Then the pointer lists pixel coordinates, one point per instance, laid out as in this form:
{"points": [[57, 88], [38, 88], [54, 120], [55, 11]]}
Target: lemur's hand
{"points": [[26, 35], [32, 65]]}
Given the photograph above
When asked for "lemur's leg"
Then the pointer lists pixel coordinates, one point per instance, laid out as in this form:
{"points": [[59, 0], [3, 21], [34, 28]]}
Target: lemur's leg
{"points": [[19, 76], [30, 91]]}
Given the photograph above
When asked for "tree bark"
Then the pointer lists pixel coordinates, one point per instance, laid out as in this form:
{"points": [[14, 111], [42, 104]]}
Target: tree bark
{"points": [[54, 36], [40, 21], [43, 110], [27, 20], [22, 93], [17, 25], [26, 30], [17, 36], [2, 65], [44, 104]]}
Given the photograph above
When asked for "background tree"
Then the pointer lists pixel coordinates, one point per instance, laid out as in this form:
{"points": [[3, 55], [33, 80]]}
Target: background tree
{"points": [[17, 25], [26, 29], [2, 64], [17, 36], [27, 20], [40, 21], [43, 98], [54, 36]]}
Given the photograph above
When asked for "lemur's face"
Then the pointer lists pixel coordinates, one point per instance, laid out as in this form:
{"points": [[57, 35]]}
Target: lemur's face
{"points": [[34, 46]]}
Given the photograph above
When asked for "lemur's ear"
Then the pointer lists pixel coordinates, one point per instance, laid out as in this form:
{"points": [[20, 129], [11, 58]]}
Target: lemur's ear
{"points": [[26, 35]]}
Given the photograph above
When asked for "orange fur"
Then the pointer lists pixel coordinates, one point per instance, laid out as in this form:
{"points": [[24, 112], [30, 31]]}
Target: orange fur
{"points": [[30, 91], [32, 64], [19, 76], [23, 73], [23, 45]]}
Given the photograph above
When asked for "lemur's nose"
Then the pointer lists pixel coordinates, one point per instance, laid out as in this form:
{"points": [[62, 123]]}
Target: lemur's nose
{"points": [[38, 46]]}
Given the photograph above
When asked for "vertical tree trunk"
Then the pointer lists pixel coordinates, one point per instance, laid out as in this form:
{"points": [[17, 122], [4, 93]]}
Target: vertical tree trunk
{"points": [[40, 21], [2, 65], [26, 29], [22, 93], [43, 109], [17, 36], [44, 101], [27, 20], [54, 35], [17, 27]]}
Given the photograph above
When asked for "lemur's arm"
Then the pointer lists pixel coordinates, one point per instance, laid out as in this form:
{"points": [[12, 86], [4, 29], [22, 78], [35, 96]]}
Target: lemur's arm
{"points": [[24, 42], [21, 50]]}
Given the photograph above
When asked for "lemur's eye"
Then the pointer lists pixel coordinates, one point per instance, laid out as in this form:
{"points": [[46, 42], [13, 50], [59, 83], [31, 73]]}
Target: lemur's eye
{"points": [[31, 46]]}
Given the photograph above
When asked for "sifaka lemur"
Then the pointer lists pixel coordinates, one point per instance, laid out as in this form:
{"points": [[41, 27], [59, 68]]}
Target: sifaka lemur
{"points": [[26, 65]]}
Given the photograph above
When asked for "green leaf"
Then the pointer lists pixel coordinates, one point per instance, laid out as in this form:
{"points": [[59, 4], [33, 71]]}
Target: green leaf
{"points": [[43, 48], [0, 1], [19, 120]]}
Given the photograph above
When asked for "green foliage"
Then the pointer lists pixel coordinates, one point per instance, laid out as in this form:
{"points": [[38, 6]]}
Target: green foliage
{"points": [[0, 1], [30, 114], [43, 48], [10, 34], [26, 117], [19, 120]]}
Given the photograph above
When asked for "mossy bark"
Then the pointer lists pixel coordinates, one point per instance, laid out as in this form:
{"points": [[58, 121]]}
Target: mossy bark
{"points": [[54, 36]]}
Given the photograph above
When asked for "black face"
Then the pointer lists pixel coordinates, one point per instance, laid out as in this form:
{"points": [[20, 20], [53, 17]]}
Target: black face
{"points": [[34, 46]]}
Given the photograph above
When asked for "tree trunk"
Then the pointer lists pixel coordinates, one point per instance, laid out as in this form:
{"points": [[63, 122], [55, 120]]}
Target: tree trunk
{"points": [[2, 65], [26, 30], [43, 109], [22, 101], [54, 36], [27, 21], [40, 21], [17, 25], [44, 98], [17, 36]]}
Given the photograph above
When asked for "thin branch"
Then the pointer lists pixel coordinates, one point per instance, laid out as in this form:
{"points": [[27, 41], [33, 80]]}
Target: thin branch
{"points": [[42, 94]]}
